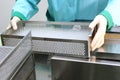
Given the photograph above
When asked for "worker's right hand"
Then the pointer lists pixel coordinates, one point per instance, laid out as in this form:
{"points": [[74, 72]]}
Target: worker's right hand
{"points": [[13, 23], [101, 23]]}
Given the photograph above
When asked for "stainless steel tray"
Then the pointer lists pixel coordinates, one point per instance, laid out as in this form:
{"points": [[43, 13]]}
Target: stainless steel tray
{"points": [[54, 38], [66, 68], [111, 48], [12, 57]]}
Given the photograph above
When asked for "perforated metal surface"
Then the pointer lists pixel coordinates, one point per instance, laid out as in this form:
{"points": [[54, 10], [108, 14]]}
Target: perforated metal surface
{"points": [[12, 63], [60, 48], [4, 53], [59, 38]]}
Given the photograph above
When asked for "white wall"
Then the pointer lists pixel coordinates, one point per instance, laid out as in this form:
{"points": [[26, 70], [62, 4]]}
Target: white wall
{"points": [[5, 13]]}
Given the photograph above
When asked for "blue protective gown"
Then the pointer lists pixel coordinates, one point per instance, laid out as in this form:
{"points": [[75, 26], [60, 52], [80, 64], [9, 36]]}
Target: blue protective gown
{"points": [[71, 10]]}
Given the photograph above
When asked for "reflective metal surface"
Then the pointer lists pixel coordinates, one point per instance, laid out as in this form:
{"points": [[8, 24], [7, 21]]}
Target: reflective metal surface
{"points": [[65, 68], [55, 30], [111, 48]]}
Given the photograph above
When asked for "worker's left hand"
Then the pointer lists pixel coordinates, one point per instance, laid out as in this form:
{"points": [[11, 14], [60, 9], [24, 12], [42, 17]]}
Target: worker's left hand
{"points": [[101, 22]]}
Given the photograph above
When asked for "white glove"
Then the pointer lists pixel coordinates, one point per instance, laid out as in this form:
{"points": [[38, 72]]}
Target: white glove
{"points": [[101, 22], [13, 23]]}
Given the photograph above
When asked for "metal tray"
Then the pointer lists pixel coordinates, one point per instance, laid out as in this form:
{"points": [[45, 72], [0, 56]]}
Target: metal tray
{"points": [[66, 68], [111, 48], [54, 38], [13, 57]]}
